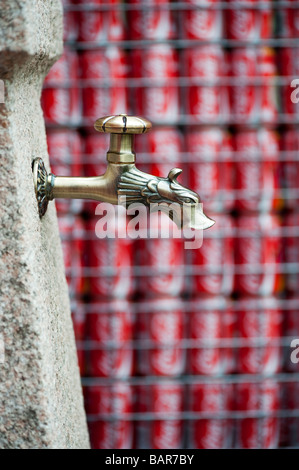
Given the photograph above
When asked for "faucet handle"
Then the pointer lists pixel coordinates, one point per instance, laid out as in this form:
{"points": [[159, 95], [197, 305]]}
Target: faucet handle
{"points": [[123, 124]]}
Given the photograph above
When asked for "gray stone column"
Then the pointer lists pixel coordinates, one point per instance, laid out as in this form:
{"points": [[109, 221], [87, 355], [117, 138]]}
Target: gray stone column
{"points": [[41, 403]]}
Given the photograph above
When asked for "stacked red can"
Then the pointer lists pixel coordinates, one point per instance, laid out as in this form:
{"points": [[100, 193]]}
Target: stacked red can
{"points": [[104, 74], [61, 97], [157, 69], [98, 25], [206, 102]]}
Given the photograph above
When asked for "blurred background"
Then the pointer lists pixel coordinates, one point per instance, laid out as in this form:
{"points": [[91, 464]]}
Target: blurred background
{"points": [[186, 348]]}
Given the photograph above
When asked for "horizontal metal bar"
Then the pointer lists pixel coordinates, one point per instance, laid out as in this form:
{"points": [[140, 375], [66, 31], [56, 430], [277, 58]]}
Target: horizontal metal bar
{"points": [[186, 344], [184, 380], [196, 121], [184, 43], [194, 415], [179, 6], [180, 82], [187, 306], [203, 156], [184, 270], [281, 232]]}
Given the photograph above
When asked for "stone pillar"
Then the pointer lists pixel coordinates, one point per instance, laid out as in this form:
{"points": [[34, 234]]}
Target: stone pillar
{"points": [[41, 403]]}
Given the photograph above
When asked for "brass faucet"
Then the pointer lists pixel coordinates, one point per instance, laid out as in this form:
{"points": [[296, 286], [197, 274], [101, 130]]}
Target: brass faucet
{"points": [[122, 182]]}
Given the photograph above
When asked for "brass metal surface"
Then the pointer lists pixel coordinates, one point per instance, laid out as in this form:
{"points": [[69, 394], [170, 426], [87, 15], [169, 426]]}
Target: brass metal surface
{"points": [[123, 183]]}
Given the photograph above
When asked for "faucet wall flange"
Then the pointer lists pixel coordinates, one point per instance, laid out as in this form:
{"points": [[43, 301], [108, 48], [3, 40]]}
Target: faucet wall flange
{"points": [[43, 184]]}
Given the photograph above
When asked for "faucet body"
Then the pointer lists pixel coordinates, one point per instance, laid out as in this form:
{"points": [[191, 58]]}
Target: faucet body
{"points": [[123, 183]]}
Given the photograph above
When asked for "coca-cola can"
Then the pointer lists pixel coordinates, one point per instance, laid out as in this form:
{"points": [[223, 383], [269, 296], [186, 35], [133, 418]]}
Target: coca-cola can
{"points": [[211, 399], [256, 99], [289, 434], [258, 253], [101, 24], [213, 262], [291, 251], [105, 91], [61, 96], [211, 170], [288, 60], [110, 328], [160, 330], [204, 23], [207, 102], [164, 399], [289, 168], [291, 333], [71, 24], [95, 148], [65, 149], [160, 150], [110, 260], [255, 432], [79, 324], [257, 170], [245, 24], [211, 320], [288, 21], [104, 403], [160, 258], [259, 328], [158, 100], [152, 23], [72, 232]]}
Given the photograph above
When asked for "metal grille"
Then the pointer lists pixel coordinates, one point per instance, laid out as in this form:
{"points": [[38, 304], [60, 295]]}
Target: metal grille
{"points": [[243, 390]]}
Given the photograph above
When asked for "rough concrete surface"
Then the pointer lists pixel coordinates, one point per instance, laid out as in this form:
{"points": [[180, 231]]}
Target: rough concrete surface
{"points": [[41, 403]]}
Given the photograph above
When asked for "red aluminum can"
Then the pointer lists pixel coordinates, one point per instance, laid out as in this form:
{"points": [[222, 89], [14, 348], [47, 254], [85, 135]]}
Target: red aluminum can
{"points": [[255, 100], [65, 149], [72, 235], [79, 324], [290, 425], [101, 25], [290, 168], [288, 20], [95, 148], [261, 320], [212, 399], [160, 100], [257, 170], [162, 148], [206, 103], [110, 260], [289, 67], [105, 89], [211, 320], [291, 251], [108, 401], [161, 322], [161, 259], [61, 97], [213, 263], [211, 170], [245, 24], [153, 23], [258, 255], [291, 331], [71, 24], [165, 399], [110, 328], [204, 23], [258, 433]]}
